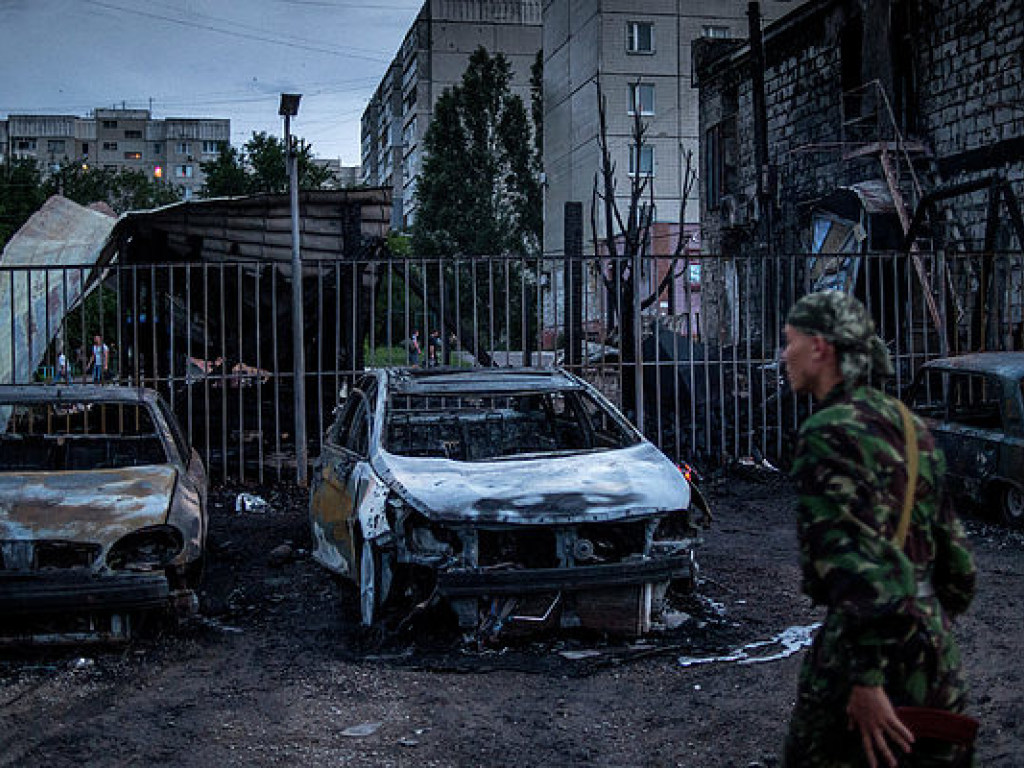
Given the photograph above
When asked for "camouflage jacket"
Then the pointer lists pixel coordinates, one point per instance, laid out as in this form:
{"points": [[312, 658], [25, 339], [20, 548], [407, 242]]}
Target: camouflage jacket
{"points": [[851, 477]]}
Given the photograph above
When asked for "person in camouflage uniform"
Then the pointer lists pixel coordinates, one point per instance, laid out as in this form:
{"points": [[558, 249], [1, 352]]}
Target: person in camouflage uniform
{"points": [[885, 640]]}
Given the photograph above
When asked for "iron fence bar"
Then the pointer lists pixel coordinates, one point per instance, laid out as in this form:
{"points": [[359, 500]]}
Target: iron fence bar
{"points": [[491, 348], [173, 364], [206, 366], [277, 371], [152, 323], [223, 374], [257, 308], [319, 373], [242, 379], [189, 400]]}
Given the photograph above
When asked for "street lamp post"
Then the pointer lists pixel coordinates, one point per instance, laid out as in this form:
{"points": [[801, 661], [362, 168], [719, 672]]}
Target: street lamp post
{"points": [[288, 109]]}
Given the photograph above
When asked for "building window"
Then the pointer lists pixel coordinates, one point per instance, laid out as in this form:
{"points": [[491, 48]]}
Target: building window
{"points": [[645, 156], [183, 171], [132, 134], [158, 149], [641, 95], [640, 37], [55, 145], [211, 147], [25, 145], [717, 32], [109, 124], [110, 146], [184, 148], [85, 148], [132, 155], [719, 162]]}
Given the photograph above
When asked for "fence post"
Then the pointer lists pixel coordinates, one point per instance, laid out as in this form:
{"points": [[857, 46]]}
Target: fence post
{"points": [[572, 290]]}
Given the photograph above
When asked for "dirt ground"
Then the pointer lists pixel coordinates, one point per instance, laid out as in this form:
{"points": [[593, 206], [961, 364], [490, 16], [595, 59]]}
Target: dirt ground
{"points": [[276, 672]]}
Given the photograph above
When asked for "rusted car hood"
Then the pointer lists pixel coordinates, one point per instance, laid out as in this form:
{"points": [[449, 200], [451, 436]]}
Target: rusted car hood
{"points": [[97, 506], [588, 487]]}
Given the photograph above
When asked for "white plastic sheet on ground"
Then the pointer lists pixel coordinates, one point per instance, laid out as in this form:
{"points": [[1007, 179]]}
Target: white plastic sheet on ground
{"points": [[782, 646]]}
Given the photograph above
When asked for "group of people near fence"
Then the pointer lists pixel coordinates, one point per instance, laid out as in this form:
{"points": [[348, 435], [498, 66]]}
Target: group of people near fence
{"points": [[96, 366], [438, 350]]}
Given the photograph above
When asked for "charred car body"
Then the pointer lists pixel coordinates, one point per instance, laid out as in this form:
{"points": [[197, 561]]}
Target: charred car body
{"points": [[522, 498], [974, 405], [102, 512]]}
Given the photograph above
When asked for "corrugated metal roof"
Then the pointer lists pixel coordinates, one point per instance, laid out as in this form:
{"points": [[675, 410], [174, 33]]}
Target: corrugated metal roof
{"points": [[60, 235]]}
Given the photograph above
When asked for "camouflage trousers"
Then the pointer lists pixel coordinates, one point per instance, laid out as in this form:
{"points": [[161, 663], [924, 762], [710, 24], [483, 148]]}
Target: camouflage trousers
{"points": [[922, 671]]}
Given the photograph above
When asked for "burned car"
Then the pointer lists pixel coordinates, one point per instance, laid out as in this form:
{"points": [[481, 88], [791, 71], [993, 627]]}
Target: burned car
{"points": [[973, 405], [102, 513], [521, 498]]}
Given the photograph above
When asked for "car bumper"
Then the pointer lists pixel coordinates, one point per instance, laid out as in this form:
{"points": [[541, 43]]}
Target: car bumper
{"points": [[470, 583], [27, 594]]}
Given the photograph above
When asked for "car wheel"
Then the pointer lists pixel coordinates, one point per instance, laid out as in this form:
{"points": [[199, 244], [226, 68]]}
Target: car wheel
{"points": [[1013, 505], [369, 584]]}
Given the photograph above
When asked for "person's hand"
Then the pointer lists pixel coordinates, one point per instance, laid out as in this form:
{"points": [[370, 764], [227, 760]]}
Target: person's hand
{"points": [[870, 711]]}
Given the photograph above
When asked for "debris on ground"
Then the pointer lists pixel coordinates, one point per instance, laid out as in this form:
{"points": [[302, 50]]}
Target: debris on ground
{"points": [[250, 502]]}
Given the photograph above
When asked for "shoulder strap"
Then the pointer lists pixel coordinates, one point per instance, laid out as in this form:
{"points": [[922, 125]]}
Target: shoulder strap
{"points": [[910, 438]]}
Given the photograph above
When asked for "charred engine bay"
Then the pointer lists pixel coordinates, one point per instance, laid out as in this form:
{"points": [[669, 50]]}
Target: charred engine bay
{"points": [[277, 671]]}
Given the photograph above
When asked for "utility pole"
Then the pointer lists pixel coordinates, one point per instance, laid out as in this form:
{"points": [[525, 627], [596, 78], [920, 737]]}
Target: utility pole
{"points": [[289, 108]]}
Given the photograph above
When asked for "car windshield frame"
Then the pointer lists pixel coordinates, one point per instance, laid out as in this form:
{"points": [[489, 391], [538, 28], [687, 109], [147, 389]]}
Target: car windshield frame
{"points": [[500, 423]]}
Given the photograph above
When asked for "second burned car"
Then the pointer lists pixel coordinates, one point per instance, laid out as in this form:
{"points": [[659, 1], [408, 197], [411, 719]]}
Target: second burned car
{"points": [[521, 498]]}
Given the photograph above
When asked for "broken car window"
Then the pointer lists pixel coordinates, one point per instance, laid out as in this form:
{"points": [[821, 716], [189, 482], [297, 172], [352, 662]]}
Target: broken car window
{"points": [[80, 436], [482, 427], [974, 401]]}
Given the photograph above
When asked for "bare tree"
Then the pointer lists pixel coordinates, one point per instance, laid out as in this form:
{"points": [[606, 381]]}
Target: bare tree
{"points": [[627, 243]]}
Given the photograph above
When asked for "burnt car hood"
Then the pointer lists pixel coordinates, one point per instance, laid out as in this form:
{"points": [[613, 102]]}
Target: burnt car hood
{"points": [[97, 506], [586, 487]]}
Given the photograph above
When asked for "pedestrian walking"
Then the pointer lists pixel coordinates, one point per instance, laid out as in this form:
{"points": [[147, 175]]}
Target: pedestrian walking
{"points": [[63, 373], [881, 549], [434, 347], [415, 351], [99, 360]]}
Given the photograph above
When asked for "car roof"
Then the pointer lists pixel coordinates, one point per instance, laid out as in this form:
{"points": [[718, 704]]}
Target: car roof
{"points": [[426, 381], [81, 393], [1006, 364]]}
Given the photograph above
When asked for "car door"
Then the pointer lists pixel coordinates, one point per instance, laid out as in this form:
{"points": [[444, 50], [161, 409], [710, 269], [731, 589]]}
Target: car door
{"points": [[338, 477], [971, 434]]}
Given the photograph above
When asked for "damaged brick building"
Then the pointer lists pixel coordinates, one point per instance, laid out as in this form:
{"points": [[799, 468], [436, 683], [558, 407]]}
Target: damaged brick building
{"points": [[851, 127]]}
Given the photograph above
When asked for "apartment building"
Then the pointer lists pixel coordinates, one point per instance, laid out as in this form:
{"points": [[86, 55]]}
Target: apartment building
{"points": [[641, 55], [433, 56], [170, 149]]}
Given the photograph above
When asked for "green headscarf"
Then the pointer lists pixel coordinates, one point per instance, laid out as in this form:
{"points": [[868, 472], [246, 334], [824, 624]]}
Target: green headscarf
{"points": [[844, 322]]}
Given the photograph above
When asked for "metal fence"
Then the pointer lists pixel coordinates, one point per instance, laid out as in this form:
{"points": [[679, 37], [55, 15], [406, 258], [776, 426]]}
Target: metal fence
{"points": [[698, 366]]}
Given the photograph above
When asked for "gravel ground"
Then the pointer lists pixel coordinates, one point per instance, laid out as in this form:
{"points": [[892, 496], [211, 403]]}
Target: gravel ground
{"points": [[277, 672]]}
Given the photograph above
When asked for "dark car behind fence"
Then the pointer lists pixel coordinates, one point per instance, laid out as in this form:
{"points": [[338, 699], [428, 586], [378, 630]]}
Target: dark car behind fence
{"points": [[698, 367]]}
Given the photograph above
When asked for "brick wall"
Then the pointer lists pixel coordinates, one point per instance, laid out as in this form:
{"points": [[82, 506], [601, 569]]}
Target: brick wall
{"points": [[968, 56]]}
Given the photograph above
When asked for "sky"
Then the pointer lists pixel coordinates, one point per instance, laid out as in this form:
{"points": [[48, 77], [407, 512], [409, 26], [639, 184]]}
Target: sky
{"points": [[204, 58]]}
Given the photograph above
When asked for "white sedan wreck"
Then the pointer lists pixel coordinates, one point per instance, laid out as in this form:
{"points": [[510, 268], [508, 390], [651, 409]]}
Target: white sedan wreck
{"points": [[102, 513], [522, 498]]}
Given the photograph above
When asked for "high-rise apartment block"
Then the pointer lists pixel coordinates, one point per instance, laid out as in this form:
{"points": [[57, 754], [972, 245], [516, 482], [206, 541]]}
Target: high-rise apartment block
{"points": [[170, 149], [433, 56], [640, 55]]}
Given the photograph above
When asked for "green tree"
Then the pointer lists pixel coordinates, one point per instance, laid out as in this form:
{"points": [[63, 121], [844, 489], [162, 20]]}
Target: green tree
{"points": [[478, 192], [21, 195], [260, 167], [123, 190], [226, 176]]}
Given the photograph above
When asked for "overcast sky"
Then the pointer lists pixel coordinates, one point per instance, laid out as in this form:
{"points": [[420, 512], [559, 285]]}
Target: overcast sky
{"points": [[204, 58]]}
